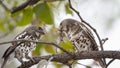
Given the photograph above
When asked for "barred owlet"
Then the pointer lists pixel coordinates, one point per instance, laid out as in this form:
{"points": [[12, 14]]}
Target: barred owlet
{"points": [[80, 36], [22, 50]]}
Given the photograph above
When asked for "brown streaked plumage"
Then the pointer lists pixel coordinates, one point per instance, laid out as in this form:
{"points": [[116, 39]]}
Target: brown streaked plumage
{"points": [[80, 36]]}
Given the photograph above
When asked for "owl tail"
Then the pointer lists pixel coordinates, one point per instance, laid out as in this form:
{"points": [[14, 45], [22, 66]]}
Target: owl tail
{"points": [[101, 63], [4, 62]]}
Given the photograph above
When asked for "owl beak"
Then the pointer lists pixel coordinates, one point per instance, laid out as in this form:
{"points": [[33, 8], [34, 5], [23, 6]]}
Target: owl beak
{"points": [[39, 33], [42, 32]]}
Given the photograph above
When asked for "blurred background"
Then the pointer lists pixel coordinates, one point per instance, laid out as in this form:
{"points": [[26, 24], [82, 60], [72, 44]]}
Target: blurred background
{"points": [[103, 15]]}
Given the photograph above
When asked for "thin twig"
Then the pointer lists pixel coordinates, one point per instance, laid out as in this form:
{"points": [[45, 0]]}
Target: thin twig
{"points": [[23, 40], [20, 7], [29, 2], [55, 46], [4, 6], [74, 62], [104, 40], [110, 62], [83, 65], [78, 13]]}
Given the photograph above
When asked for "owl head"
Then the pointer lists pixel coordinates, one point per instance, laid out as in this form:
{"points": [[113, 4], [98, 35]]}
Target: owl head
{"points": [[68, 26], [35, 31]]}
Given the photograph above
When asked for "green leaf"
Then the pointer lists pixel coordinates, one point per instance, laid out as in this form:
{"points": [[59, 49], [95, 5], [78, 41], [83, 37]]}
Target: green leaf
{"points": [[88, 67], [49, 49], [16, 13], [67, 9], [2, 27], [26, 18], [67, 45], [58, 65], [10, 26], [43, 12], [37, 50]]}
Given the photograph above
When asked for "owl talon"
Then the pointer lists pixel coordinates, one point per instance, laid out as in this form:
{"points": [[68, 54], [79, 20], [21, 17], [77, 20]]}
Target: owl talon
{"points": [[23, 63], [32, 59]]}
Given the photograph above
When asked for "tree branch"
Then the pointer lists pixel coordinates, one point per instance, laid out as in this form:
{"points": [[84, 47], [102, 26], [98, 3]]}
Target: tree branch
{"points": [[38, 42], [20, 7], [29, 2], [64, 58]]}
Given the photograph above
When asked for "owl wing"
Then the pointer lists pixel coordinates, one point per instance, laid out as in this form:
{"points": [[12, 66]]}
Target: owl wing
{"points": [[6, 55], [14, 45], [9, 51], [89, 34]]}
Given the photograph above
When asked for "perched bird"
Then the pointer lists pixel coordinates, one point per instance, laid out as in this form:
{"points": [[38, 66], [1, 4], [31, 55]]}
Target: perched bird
{"points": [[23, 49], [80, 36]]}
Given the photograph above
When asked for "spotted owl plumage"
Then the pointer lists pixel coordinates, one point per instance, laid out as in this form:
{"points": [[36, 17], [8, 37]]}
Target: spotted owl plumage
{"points": [[22, 50], [80, 36]]}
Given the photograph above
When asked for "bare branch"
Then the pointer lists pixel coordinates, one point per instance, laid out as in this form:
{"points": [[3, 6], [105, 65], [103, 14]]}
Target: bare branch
{"points": [[110, 62], [22, 6], [29, 2], [104, 40], [64, 58], [84, 65], [4, 6], [38, 42]]}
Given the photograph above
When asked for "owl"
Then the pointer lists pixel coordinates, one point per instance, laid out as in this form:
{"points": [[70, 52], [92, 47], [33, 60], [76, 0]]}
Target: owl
{"points": [[80, 36], [21, 49]]}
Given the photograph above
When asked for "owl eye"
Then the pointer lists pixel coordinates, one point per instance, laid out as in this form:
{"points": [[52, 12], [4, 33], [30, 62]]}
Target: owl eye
{"points": [[40, 28]]}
